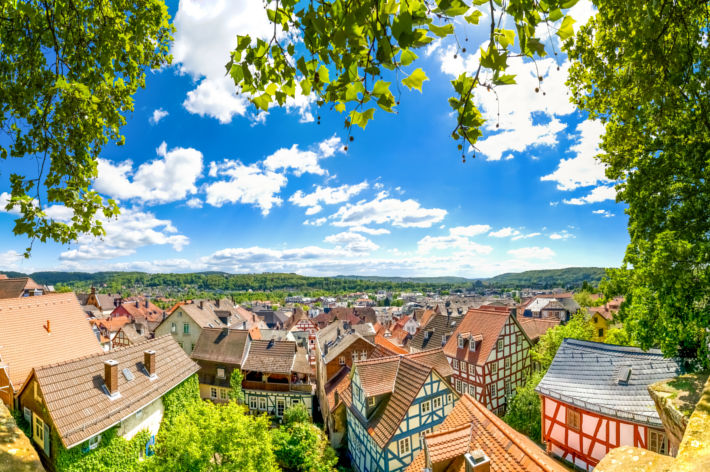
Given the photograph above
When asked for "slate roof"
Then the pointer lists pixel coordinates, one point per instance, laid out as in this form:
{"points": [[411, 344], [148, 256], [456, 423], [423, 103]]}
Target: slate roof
{"points": [[430, 336], [15, 287], [221, 345], [337, 336], [74, 392], [587, 375], [399, 379], [470, 426], [487, 322], [25, 341], [277, 357]]}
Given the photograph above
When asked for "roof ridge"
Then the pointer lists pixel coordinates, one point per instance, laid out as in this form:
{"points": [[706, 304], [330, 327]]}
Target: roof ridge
{"points": [[610, 347]]}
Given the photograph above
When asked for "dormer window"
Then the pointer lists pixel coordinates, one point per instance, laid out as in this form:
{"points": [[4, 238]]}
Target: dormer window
{"points": [[461, 341], [472, 345], [371, 401]]}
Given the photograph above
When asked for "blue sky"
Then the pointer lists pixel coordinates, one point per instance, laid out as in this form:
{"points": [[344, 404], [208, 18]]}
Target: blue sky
{"points": [[207, 184]]}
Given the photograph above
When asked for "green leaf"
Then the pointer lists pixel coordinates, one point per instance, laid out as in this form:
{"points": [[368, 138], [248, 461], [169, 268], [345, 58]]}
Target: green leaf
{"points": [[323, 74], [441, 31], [506, 38], [340, 106], [407, 57], [566, 30], [504, 80], [381, 87], [361, 119], [415, 79], [262, 101], [474, 17], [555, 14]]}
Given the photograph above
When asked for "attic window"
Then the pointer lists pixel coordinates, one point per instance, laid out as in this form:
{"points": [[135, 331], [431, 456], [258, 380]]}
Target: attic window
{"points": [[371, 401], [461, 341], [472, 345], [624, 375], [127, 374]]}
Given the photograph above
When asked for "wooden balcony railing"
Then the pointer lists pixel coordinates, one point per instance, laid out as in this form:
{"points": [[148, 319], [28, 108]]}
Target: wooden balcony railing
{"points": [[276, 387]]}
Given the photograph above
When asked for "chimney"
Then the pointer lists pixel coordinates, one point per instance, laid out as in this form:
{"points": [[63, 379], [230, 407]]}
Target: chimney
{"points": [[138, 304], [111, 377], [477, 461], [200, 304], [216, 302], [48, 328], [93, 290], [149, 362], [146, 303]]}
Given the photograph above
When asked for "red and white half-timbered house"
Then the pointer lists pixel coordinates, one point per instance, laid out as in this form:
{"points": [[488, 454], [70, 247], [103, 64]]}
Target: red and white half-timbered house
{"points": [[595, 398], [490, 355]]}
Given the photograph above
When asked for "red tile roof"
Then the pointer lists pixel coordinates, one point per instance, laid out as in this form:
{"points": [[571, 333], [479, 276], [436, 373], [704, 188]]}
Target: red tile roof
{"points": [[36, 331], [508, 450], [387, 344], [536, 327], [478, 321]]}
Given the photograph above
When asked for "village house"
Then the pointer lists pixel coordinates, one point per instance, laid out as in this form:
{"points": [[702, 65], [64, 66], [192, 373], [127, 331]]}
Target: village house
{"points": [[300, 322], [490, 355], [595, 398], [21, 287], [473, 439], [602, 317], [37, 331], [391, 403], [559, 306], [435, 330], [187, 320], [78, 400], [219, 352], [105, 302], [141, 312], [536, 327]]}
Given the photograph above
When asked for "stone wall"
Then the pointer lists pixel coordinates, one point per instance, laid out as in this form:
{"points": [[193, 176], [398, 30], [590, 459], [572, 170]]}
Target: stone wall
{"points": [[16, 451]]}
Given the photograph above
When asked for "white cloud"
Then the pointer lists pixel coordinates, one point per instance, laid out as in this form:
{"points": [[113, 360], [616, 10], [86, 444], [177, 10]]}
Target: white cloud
{"points": [[303, 161], [384, 209], [317, 222], [533, 252], [4, 201], [372, 231], [564, 234], [194, 203], [158, 115], [248, 184], [169, 178], [431, 243], [525, 236], [326, 195], [504, 233], [10, 259], [131, 230], [206, 34], [598, 194], [351, 241], [583, 170], [604, 213], [469, 231]]}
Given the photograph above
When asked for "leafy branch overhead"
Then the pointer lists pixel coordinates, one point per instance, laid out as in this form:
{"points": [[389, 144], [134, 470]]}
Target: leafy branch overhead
{"points": [[339, 50]]}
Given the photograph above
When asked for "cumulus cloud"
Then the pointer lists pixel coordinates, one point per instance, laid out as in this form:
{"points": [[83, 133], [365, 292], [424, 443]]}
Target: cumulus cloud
{"points": [[385, 209], [131, 230], [10, 259], [217, 99], [604, 213], [524, 236], [351, 241], [194, 203], [564, 234], [367, 230], [169, 178], [533, 252], [248, 184], [583, 170], [469, 231], [598, 194], [302, 162], [326, 196], [157, 115], [504, 233]]}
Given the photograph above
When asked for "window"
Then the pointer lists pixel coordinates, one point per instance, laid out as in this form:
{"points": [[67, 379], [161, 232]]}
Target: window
{"points": [[38, 430], [213, 392], [426, 431], [463, 367], [404, 446], [508, 388], [507, 362], [458, 385], [262, 403], [341, 360], [28, 414], [221, 374], [436, 402], [426, 407], [600, 333], [448, 398], [573, 420], [472, 345], [460, 342], [363, 356], [354, 354], [657, 441], [295, 401], [371, 401], [252, 403], [173, 328], [280, 407], [500, 344], [222, 393], [494, 391], [94, 442], [471, 369], [456, 364], [494, 368], [186, 328]]}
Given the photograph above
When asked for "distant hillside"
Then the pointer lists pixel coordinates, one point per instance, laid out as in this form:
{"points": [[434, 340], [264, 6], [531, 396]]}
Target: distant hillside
{"points": [[420, 280], [569, 277]]}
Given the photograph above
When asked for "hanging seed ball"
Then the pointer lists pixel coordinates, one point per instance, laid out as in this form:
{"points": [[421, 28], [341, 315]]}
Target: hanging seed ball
{"points": [[345, 148], [352, 139], [497, 125], [543, 93], [539, 78], [460, 147], [558, 67], [537, 90], [463, 50]]}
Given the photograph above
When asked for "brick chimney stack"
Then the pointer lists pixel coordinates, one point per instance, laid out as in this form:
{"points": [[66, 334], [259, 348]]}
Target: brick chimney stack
{"points": [[149, 362], [111, 376]]}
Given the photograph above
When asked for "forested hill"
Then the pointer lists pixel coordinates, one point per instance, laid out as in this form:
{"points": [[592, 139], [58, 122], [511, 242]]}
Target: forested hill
{"points": [[569, 277], [224, 282]]}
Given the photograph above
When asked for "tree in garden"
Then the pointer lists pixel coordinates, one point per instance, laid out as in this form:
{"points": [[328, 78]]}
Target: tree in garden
{"points": [[576, 328], [68, 73], [523, 412], [642, 69], [235, 382], [300, 446]]}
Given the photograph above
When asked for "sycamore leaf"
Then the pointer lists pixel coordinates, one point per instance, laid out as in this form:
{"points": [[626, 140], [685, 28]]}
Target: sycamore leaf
{"points": [[361, 119], [415, 79], [474, 17], [441, 31], [323, 74], [407, 57], [566, 30], [340, 106], [555, 15], [262, 101]]}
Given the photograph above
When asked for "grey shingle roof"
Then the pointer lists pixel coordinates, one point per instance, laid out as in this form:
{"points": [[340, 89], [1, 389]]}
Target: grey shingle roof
{"points": [[586, 374]]}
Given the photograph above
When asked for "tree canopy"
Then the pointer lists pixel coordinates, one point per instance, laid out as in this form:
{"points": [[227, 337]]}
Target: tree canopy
{"points": [[68, 72], [642, 69]]}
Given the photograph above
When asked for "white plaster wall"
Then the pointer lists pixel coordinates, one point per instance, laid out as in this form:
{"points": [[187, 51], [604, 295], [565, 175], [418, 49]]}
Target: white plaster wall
{"points": [[149, 419]]}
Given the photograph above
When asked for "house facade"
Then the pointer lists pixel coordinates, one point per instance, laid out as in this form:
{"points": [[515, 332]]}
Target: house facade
{"points": [[391, 403], [490, 355], [187, 320], [219, 352], [76, 401], [614, 408]]}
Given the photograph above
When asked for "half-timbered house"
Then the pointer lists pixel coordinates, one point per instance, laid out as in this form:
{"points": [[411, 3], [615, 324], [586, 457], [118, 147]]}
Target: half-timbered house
{"points": [[490, 355], [595, 398], [391, 402]]}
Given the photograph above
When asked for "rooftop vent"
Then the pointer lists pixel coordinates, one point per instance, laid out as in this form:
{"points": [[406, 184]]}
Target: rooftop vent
{"points": [[477, 461], [127, 374], [624, 375]]}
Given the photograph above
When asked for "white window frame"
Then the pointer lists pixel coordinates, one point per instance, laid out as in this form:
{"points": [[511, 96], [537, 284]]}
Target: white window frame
{"points": [[173, 328], [252, 403], [471, 369], [456, 364], [404, 446], [221, 373], [425, 407], [262, 404], [507, 362], [499, 345], [460, 340], [94, 442], [341, 360], [436, 402], [213, 393], [494, 390], [494, 368]]}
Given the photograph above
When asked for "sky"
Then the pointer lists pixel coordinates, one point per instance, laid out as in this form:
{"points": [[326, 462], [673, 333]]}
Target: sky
{"points": [[207, 183]]}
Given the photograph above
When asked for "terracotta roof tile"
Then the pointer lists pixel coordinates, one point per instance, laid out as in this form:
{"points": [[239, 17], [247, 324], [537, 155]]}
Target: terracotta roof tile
{"points": [[385, 343], [270, 356], [536, 327], [221, 345], [80, 407], [336, 385], [26, 342], [508, 450], [484, 321]]}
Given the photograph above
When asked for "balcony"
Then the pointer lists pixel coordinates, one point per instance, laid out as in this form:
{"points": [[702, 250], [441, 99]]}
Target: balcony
{"points": [[277, 387]]}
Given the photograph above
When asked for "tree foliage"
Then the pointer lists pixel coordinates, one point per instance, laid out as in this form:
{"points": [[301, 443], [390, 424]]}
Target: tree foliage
{"points": [[235, 382], [578, 327], [642, 69], [68, 72], [300, 446], [341, 52], [523, 412]]}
